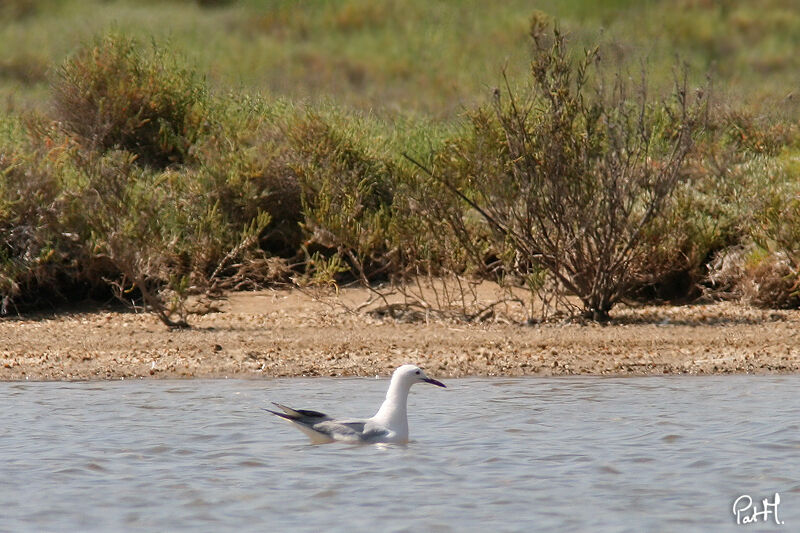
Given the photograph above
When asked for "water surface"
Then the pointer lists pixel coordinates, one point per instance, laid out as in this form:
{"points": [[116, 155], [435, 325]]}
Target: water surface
{"points": [[566, 454]]}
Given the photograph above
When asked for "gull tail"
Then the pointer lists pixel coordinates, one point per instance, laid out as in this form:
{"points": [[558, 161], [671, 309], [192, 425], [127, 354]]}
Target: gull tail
{"points": [[297, 415], [305, 421]]}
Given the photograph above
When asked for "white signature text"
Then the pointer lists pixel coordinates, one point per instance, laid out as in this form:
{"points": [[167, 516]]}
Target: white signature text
{"points": [[747, 513]]}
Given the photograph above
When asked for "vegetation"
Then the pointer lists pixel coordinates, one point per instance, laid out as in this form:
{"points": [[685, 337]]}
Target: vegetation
{"points": [[580, 171], [322, 143]]}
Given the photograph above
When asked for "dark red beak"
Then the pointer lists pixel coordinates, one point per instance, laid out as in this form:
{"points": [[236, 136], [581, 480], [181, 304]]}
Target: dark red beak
{"points": [[434, 382]]}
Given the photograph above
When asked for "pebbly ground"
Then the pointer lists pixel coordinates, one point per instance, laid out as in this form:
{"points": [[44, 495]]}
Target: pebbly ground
{"points": [[288, 333]]}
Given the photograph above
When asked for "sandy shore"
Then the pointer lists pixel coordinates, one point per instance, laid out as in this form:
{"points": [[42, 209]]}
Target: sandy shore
{"points": [[287, 333]]}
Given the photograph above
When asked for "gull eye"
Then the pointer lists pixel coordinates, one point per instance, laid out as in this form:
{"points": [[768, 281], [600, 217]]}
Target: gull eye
{"points": [[417, 372]]}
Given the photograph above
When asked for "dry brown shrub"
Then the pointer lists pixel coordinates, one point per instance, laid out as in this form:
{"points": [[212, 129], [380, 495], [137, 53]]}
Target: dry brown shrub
{"points": [[755, 277], [585, 163]]}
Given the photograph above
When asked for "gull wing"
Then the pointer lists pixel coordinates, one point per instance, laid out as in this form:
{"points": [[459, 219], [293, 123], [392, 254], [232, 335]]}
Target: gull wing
{"points": [[352, 430], [321, 428]]}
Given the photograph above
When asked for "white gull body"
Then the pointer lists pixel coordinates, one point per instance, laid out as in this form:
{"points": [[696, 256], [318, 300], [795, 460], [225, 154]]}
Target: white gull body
{"points": [[390, 423]]}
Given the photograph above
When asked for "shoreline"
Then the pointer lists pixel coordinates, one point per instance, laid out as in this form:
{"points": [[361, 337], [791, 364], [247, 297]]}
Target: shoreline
{"points": [[287, 333]]}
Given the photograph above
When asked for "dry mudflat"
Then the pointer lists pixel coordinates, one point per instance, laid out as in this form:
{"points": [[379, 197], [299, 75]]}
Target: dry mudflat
{"points": [[289, 333]]}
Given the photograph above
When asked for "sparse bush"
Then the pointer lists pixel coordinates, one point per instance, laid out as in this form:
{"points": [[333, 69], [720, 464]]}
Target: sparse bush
{"points": [[583, 170], [445, 242], [116, 94], [164, 235]]}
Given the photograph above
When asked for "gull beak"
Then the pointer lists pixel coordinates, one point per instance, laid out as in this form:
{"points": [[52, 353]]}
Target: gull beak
{"points": [[434, 382]]}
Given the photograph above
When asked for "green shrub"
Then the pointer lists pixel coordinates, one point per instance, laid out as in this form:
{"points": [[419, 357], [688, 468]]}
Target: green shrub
{"points": [[347, 194], [708, 213], [245, 163], [777, 230], [77, 219], [729, 179], [117, 94], [451, 236], [165, 236], [28, 227], [43, 257]]}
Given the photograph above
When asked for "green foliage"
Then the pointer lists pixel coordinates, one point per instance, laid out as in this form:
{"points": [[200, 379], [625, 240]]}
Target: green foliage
{"points": [[115, 94], [573, 172], [160, 230], [778, 232], [347, 194], [146, 178], [28, 225], [450, 235], [83, 211], [716, 207], [245, 164]]}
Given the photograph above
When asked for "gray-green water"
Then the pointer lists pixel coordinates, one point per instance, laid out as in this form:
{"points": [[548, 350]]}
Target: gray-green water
{"points": [[568, 454]]}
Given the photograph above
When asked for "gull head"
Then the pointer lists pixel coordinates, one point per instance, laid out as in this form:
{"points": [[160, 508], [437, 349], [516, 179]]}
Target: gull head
{"points": [[411, 374]]}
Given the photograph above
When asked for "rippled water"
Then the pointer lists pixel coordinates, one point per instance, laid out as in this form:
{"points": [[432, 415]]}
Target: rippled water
{"points": [[567, 454]]}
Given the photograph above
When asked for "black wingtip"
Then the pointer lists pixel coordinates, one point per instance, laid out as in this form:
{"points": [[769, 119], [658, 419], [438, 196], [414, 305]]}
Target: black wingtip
{"points": [[296, 414]]}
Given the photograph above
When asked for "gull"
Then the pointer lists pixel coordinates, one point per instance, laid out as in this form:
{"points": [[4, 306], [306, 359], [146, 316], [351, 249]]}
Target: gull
{"points": [[389, 425]]}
